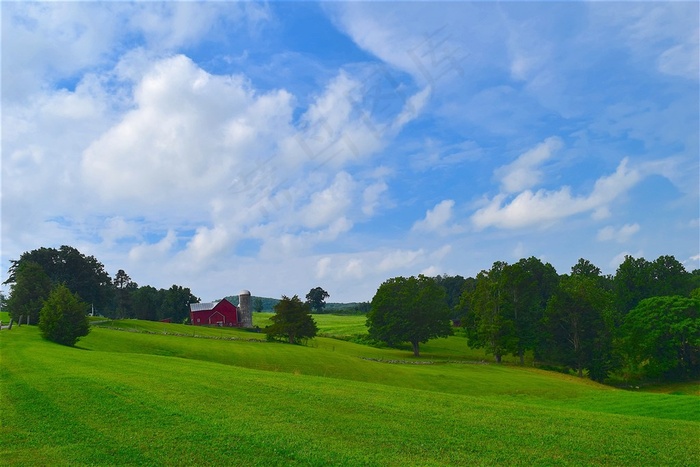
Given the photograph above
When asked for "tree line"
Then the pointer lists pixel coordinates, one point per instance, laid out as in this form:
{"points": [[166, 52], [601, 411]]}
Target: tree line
{"points": [[641, 322], [36, 273]]}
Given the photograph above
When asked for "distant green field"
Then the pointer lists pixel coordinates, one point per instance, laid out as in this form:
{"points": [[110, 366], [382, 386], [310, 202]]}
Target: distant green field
{"points": [[167, 394]]}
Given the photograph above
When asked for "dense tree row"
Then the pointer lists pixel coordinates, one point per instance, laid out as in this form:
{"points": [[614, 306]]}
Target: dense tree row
{"points": [[583, 320], [36, 273], [643, 322]]}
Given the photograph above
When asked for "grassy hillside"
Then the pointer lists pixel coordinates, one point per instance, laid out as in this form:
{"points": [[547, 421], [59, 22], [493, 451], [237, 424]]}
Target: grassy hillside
{"points": [[221, 396]]}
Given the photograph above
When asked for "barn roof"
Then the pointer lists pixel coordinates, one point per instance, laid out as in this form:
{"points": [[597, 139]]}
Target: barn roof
{"points": [[202, 306], [205, 306]]}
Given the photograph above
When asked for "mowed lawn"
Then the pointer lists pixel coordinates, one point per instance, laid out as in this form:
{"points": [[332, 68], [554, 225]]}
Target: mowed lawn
{"points": [[224, 399]]}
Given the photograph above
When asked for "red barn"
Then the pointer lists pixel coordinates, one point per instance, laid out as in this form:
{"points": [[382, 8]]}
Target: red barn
{"points": [[223, 313]]}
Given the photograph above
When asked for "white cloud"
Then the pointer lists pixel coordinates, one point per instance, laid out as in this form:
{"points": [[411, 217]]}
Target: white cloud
{"points": [[207, 244], [644, 29], [371, 197], [152, 252], [682, 60], [323, 267], [437, 219], [621, 235], [436, 155], [524, 172], [430, 271], [330, 204], [354, 269], [190, 135], [299, 171], [334, 130], [441, 252], [544, 207], [118, 228], [412, 108], [399, 259]]}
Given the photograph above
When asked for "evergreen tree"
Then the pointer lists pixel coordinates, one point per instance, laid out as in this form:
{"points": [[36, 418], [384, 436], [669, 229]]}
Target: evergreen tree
{"points": [[63, 317]]}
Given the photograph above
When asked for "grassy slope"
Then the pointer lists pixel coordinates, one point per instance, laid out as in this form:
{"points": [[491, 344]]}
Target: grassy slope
{"points": [[122, 398]]}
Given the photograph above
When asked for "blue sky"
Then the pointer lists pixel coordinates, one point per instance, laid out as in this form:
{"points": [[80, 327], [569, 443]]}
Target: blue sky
{"points": [[282, 146]]}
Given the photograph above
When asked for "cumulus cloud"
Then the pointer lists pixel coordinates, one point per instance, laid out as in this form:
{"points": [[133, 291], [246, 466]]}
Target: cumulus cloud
{"points": [[544, 206], [219, 165], [190, 134], [150, 252], [437, 219], [331, 203]]}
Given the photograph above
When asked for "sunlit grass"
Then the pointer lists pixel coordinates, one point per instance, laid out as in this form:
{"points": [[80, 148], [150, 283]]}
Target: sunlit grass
{"points": [[168, 399]]}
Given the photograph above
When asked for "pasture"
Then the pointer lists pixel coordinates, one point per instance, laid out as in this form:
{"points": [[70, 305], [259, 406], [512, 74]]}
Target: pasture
{"points": [[135, 392]]}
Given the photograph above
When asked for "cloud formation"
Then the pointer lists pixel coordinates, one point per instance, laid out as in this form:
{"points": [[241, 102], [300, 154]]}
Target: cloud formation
{"points": [[544, 207], [277, 148]]}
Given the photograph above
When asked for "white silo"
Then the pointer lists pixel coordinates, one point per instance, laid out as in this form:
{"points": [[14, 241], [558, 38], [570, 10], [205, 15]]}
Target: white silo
{"points": [[246, 309]]}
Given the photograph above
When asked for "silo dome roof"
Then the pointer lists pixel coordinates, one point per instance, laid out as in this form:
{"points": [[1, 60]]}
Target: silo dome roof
{"points": [[244, 292]]}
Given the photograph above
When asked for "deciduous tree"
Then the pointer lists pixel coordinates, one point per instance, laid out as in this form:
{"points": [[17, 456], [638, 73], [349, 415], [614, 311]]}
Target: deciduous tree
{"points": [[529, 283], [31, 287], [411, 310], [316, 298], [575, 318], [292, 320], [661, 337], [83, 275], [489, 325]]}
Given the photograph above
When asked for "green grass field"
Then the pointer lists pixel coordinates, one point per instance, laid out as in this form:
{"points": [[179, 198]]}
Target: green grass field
{"points": [[167, 394]]}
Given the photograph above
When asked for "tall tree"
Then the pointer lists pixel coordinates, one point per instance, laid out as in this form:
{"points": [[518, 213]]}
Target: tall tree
{"points": [[316, 298], [585, 268], [670, 277], [83, 275], [632, 283], [637, 279], [146, 302], [453, 288], [409, 310], [489, 325], [292, 320], [30, 288], [123, 290], [575, 318], [175, 303], [529, 283], [63, 317]]}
